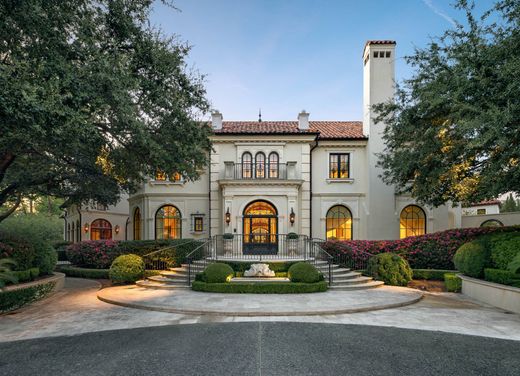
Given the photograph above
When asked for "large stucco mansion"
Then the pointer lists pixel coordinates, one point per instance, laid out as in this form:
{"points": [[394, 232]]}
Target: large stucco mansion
{"points": [[317, 178]]}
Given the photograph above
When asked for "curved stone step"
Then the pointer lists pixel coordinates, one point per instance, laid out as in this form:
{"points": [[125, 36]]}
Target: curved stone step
{"points": [[168, 281], [159, 285], [359, 286], [351, 281], [346, 276]]}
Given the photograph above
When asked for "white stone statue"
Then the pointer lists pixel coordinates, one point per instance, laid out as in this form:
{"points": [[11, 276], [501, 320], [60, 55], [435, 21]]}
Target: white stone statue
{"points": [[259, 270]]}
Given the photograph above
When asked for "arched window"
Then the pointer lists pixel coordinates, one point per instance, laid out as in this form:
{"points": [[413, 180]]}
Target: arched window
{"points": [[137, 224], [273, 165], [412, 222], [168, 223], [260, 165], [78, 231], [339, 223], [492, 223], [100, 229], [247, 165]]}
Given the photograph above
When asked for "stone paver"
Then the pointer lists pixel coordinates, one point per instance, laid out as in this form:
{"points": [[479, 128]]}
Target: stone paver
{"points": [[186, 301], [76, 309]]}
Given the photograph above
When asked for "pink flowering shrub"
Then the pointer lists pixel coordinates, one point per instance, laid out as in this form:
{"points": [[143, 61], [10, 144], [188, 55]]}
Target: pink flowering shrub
{"points": [[430, 251], [96, 254]]}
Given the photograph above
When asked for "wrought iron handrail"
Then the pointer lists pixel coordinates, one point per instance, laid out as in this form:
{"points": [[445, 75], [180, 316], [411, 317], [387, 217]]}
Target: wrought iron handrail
{"points": [[206, 247], [320, 254], [153, 261]]}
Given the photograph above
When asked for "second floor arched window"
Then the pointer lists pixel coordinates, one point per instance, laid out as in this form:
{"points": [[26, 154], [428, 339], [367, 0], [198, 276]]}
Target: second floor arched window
{"points": [[273, 165], [247, 165], [260, 165]]}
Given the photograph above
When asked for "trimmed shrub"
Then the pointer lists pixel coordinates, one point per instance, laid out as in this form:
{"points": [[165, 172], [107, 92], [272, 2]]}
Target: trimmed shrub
{"points": [[390, 268], [304, 272], [471, 258], [17, 249], [34, 272], [514, 266], [23, 275], [73, 271], [503, 277], [504, 248], [217, 273], [429, 251], [46, 259], [430, 274], [14, 299], [126, 268], [452, 282], [261, 288]]}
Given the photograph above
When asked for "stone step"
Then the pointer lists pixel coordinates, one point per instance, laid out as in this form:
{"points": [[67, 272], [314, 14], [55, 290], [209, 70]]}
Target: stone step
{"points": [[346, 276], [168, 281], [160, 285], [175, 275], [359, 286], [351, 281]]}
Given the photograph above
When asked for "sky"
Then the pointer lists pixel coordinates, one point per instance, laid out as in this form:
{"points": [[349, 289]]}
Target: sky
{"points": [[287, 55]]}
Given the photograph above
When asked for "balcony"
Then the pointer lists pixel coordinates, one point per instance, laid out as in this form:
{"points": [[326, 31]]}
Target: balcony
{"points": [[260, 172]]}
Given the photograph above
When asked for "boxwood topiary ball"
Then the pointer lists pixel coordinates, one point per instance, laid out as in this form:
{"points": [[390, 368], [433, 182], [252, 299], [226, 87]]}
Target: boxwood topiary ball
{"points": [[218, 273], [304, 272], [390, 268], [471, 259], [126, 268]]}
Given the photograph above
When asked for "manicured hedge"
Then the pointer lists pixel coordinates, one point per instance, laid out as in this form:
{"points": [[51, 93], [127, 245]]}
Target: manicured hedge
{"points": [[101, 253], [14, 299], [261, 288], [504, 248], [504, 277], [452, 282], [73, 271], [430, 251], [431, 274], [390, 268]]}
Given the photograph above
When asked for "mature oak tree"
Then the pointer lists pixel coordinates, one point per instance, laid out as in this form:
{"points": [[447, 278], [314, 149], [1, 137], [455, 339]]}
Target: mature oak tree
{"points": [[453, 130], [93, 99]]}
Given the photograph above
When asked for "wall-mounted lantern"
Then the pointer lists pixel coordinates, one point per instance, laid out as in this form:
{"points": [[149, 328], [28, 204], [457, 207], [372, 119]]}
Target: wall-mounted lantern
{"points": [[85, 228], [116, 229], [292, 217], [228, 216]]}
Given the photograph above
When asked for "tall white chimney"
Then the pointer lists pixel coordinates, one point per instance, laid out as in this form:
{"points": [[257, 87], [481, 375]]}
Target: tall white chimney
{"points": [[303, 120], [216, 120]]}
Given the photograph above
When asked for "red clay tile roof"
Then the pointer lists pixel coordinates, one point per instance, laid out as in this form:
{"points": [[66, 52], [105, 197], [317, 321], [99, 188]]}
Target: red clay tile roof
{"points": [[482, 203], [380, 42], [325, 129]]}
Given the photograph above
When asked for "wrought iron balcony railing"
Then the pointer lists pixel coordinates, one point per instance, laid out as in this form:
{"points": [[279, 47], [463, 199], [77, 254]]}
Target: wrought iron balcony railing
{"points": [[256, 171]]}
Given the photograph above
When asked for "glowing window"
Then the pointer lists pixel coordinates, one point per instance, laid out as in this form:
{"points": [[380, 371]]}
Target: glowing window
{"points": [[168, 223], [246, 165], [273, 165], [339, 165], [339, 223], [260, 165], [412, 222], [100, 229], [137, 224]]}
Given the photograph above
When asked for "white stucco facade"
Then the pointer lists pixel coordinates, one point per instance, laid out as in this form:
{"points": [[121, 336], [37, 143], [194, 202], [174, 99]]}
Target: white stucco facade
{"points": [[303, 189]]}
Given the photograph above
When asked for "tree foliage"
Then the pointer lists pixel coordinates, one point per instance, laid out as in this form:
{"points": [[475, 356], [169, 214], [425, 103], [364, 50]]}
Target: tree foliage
{"points": [[453, 130], [510, 205], [94, 99]]}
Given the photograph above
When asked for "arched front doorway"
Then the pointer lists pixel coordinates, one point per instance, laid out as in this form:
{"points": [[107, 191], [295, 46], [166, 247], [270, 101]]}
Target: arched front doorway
{"points": [[260, 229]]}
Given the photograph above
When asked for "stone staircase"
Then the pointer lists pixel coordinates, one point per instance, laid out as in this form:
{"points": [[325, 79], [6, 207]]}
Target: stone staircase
{"points": [[177, 278]]}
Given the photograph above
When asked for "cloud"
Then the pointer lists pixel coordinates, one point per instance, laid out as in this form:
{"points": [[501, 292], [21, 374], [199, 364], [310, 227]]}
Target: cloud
{"points": [[438, 12]]}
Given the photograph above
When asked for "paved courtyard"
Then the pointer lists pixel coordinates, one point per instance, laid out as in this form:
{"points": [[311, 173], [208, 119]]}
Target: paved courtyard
{"points": [[76, 309]]}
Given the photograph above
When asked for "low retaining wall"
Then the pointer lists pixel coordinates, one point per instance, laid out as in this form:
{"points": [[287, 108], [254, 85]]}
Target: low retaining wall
{"points": [[501, 296], [57, 278]]}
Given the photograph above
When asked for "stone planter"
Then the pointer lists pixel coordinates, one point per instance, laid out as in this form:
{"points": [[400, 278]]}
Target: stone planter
{"points": [[495, 294]]}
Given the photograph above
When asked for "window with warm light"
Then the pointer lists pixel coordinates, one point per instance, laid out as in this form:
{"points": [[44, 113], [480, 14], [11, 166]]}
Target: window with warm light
{"points": [[198, 224], [100, 229], [168, 223], [273, 165], [339, 166], [412, 222], [247, 165], [260, 165], [339, 223], [137, 224]]}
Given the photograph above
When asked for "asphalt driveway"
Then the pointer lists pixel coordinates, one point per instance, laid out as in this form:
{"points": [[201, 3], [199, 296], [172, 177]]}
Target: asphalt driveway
{"points": [[261, 348]]}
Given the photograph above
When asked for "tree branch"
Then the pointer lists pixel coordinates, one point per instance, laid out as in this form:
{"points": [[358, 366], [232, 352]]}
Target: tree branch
{"points": [[6, 160], [12, 209]]}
